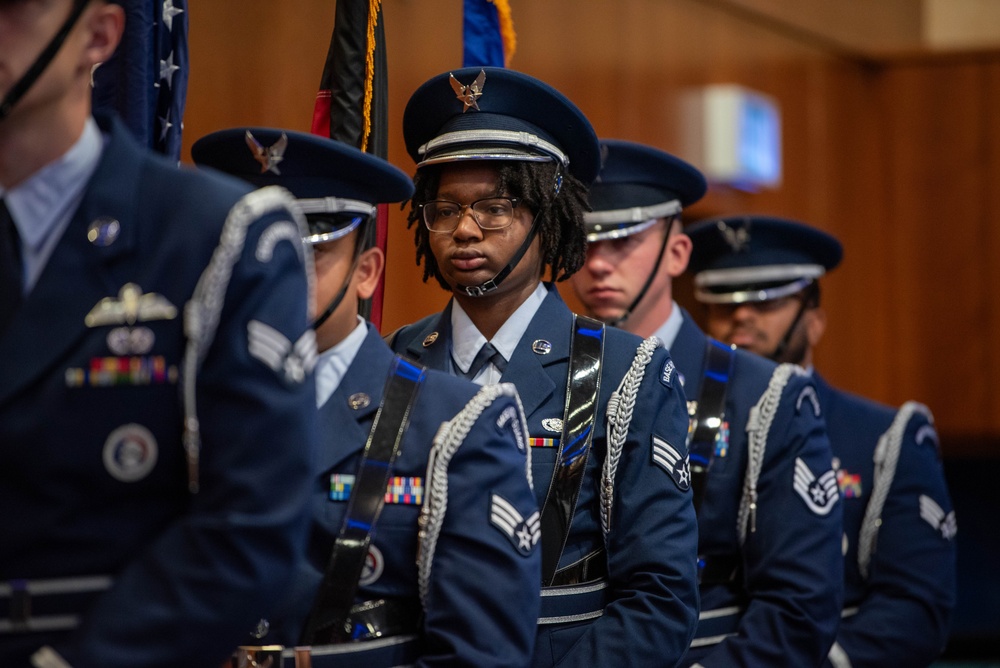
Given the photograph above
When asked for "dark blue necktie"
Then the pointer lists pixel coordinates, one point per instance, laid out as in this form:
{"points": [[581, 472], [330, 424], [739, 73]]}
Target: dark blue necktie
{"points": [[11, 291], [487, 354]]}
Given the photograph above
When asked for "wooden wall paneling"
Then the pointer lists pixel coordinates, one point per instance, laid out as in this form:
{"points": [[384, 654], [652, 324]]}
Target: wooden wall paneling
{"points": [[937, 251], [989, 278]]}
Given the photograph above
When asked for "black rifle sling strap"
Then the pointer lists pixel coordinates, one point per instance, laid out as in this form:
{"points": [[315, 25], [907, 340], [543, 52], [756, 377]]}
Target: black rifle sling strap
{"points": [[583, 386], [709, 415], [335, 596]]}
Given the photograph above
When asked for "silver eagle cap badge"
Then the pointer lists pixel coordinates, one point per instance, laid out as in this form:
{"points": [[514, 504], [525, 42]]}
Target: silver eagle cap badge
{"points": [[468, 95], [268, 156]]}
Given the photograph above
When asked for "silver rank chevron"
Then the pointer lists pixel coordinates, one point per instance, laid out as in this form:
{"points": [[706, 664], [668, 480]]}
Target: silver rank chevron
{"points": [[820, 494], [277, 352], [668, 458], [523, 533], [945, 524]]}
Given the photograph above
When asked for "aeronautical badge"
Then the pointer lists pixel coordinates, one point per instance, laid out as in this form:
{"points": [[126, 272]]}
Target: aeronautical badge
{"points": [[667, 375], [131, 306], [555, 425], [668, 458], [374, 565], [820, 494], [277, 352], [283, 230], [933, 514], [130, 453], [808, 393], [522, 533], [468, 95], [268, 156]]}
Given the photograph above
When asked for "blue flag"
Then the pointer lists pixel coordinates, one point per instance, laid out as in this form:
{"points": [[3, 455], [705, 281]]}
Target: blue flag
{"points": [[482, 45], [145, 81]]}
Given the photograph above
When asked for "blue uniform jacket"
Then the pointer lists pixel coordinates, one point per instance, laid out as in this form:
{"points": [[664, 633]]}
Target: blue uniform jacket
{"points": [[652, 598], [899, 615], [94, 479], [483, 597], [788, 589]]}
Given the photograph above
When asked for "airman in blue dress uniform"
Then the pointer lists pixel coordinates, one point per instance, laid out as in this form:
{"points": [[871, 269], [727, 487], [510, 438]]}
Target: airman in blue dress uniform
{"points": [[503, 163], [768, 517], [451, 571], [155, 465], [758, 275]]}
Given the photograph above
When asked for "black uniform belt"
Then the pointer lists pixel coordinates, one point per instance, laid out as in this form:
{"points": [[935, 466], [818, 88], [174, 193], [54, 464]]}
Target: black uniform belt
{"points": [[592, 567], [573, 603], [381, 653], [52, 604], [718, 569], [384, 618]]}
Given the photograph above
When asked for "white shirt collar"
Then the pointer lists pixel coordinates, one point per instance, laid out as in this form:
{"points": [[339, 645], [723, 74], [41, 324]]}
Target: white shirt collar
{"points": [[334, 362], [466, 340], [668, 330], [49, 194]]}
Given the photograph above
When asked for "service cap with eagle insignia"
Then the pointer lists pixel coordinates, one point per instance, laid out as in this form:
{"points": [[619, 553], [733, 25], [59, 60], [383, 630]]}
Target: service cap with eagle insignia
{"points": [[336, 186], [638, 185], [742, 259], [499, 114]]}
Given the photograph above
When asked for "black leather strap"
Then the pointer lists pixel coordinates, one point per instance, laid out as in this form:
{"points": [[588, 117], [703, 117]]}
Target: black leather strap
{"points": [[592, 567], [709, 415], [583, 386], [335, 597]]}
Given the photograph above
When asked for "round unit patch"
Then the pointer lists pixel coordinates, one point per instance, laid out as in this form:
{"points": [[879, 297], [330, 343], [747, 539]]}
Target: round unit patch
{"points": [[130, 453], [374, 565]]}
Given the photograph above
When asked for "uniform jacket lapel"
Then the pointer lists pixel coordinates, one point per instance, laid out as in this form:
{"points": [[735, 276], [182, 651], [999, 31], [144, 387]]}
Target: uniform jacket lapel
{"points": [[432, 345], [527, 368], [688, 354], [78, 274], [343, 429]]}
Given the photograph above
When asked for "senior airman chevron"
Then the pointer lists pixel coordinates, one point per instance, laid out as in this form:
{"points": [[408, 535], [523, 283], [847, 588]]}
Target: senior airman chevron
{"points": [[522, 533], [934, 514], [273, 349], [668, 458]]}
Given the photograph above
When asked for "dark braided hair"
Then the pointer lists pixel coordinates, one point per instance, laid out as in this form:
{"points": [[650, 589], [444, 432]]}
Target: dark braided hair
{"points": [[561, 232]]}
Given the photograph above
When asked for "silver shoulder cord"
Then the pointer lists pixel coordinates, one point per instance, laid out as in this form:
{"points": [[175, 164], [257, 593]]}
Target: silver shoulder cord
{"points": [[758, 427], [203, 310], [619, 415], [886, 458], [447, 441]]}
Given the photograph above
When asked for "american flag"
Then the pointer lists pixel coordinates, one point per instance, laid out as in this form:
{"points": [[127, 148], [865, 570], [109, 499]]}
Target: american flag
{"points": [[145, 82]]}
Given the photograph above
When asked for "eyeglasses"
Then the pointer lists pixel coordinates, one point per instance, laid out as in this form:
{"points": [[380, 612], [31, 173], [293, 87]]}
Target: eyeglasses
{"points": [[492, 213]]}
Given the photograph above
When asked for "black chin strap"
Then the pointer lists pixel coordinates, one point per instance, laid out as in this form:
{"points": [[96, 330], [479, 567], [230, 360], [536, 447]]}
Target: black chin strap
{"points": [[786, 339], [494, 283], [18, 90], [359, 247], [645, 286]]}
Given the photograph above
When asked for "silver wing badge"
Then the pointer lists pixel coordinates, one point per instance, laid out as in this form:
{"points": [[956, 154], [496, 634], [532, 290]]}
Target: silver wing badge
{"points": [[268, 156], [131, 306], [469, 94]]}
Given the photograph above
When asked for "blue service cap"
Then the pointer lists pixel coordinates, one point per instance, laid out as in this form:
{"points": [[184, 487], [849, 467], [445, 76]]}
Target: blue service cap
{"points": [[757, 258], [637, 186], [492, 113], [337, 186]]}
